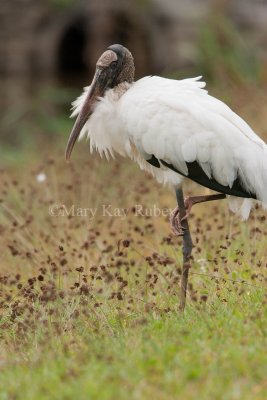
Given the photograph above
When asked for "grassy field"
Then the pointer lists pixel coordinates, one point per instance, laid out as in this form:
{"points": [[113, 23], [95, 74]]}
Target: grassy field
{"points": [[89, 287]]}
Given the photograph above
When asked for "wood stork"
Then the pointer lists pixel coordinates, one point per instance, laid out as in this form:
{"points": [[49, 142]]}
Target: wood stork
{"points": [[175, 130]]}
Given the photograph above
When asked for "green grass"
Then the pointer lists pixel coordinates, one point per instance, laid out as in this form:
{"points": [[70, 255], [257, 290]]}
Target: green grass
{"points": [[111, 329], [216, 353]]}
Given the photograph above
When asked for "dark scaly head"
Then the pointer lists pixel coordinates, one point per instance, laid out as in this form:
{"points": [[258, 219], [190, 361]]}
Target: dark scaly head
{"points": [[116, 65]]}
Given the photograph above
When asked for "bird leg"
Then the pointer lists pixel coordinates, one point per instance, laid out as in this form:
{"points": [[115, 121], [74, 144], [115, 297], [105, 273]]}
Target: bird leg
{"points": [[187, 245], [180, 226], [189, 202]]}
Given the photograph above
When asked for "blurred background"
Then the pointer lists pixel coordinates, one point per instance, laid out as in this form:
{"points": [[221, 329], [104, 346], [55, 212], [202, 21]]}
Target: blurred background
{"points": [[48, 50]]}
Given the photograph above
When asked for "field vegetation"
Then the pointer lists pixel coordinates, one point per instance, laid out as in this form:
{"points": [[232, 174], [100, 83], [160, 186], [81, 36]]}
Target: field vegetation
{"points": [[89, 305]]}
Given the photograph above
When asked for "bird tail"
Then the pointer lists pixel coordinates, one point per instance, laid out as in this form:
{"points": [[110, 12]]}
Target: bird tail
{"points": [[243, 207]]}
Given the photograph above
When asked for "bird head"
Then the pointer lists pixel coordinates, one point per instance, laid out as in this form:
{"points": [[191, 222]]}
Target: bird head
{"points": [[116, 65]]}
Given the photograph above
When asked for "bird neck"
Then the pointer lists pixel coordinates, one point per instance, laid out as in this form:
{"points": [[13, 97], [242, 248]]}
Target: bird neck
{"points": [[128, 70], [120, 89]]}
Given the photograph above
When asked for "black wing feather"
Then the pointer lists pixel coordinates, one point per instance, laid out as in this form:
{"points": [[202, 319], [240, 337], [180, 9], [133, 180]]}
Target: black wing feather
{"points": [[198, 175]]}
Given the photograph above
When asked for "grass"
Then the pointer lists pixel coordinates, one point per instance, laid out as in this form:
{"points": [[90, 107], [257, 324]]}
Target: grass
{"points": [[162, 356], [89, 307]]}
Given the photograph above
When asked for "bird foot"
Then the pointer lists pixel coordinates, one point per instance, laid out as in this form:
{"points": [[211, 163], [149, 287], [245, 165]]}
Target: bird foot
{"points": [[175, 220]]}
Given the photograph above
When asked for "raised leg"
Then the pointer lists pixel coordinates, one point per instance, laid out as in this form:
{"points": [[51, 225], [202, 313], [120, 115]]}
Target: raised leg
{"points": [[189, 202], [187, 246]]}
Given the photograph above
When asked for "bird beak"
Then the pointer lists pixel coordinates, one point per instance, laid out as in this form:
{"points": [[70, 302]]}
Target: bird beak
{"points": [[97, 89]]}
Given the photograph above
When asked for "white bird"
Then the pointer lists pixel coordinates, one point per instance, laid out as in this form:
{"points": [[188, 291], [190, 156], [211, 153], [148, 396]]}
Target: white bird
{"points": [[175, 130]]}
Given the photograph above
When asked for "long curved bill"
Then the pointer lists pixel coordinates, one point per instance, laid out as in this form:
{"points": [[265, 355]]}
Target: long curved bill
{"points": [[96, 90]]}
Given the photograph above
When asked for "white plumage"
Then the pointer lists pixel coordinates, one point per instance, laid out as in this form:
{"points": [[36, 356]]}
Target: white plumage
{"points": [[178, 121]]}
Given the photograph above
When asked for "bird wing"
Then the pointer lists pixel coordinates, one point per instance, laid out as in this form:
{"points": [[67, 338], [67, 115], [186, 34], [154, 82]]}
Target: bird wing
{"points": [[178, 123]]}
